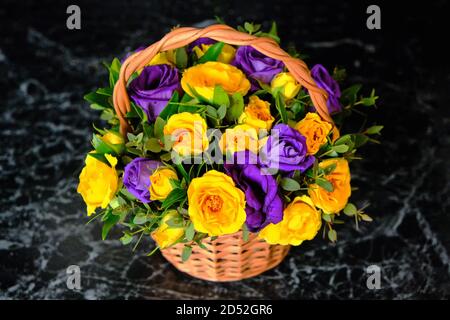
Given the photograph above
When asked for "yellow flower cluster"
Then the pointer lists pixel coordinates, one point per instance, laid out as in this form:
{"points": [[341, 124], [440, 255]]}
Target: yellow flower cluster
{"points": [[334, 201], [315, 130], [188, 133], [301, 221], [98, 182], [203, 78], [216, 205]]}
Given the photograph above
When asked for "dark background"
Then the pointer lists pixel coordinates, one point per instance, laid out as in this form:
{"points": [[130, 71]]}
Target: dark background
{"points": [[45, 127]]}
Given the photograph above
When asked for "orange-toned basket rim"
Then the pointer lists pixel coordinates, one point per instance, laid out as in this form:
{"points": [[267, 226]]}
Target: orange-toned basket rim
{"points": [[181, 37]]}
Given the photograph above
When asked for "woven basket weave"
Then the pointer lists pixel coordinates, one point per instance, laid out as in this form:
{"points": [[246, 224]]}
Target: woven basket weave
{"points": [[228, 258]]}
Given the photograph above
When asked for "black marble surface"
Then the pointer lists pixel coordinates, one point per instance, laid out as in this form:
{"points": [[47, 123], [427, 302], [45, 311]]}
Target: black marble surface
{"points": [[45, 126]]}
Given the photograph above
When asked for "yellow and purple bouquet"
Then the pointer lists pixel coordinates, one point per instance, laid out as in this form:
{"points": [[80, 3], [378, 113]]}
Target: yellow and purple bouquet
{"points": [[221, 139]]}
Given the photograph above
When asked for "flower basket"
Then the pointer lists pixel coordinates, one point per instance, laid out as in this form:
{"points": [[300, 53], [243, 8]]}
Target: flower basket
{"points": [[228, 258], [231, 165]]}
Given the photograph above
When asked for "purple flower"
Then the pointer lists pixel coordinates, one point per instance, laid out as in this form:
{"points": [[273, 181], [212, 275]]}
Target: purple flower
{"points": [[263, 202], [327, 83], [285, 150], [136, 177], [153, 88], [257, 66]]}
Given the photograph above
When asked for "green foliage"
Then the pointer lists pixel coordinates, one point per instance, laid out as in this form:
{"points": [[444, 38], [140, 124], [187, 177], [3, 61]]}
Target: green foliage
{"points": [[186, 253], [289, 184], [212, 54]]}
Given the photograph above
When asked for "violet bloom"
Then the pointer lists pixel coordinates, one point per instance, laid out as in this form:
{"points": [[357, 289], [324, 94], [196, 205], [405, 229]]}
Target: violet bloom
{"points": [[257, 66], [325, 81], [136, 177], [263, 201], [285, 150], [153, 88]]}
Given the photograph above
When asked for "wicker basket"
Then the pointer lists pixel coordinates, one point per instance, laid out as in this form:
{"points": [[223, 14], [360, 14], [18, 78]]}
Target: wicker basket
{"points": [[228, 258]]}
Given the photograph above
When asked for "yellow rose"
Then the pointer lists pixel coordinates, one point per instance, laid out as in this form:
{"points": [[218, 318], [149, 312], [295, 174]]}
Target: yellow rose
{"points": [[315, 131], [225, 56], [98, 182], [301, 221], [165, 235], [115, 142], [203, 78], [112, 138], [166, 57], [335, 201], [188, 133], [289, 86], [257, 114], [241, 137], [216, 206], [160, 185]]}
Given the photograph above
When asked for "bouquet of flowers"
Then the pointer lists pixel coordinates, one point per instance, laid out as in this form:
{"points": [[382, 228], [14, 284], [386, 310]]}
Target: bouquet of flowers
{"points": [[216, 132]]}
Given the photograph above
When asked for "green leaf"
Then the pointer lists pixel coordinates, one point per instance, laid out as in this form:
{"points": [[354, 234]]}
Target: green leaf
{"points": [[342, 148], [211, 111], [116, 202], [175, 196], [345, 139], [366, 217], [236, 108], [220, 97], [153, 145], [114, 70], [212, 54], [181, 58], [126, 238], [289, 184], [187, 250], [98, 101], [127, 194], [245, 232], [105, 91], [191, 108], [324, 184], [183, 172], [360, 139], [273, 29], [374, 130], [140, 113], [326, 217], [99, 157], [159, 127], [171, 107], [189, 232], [329, 169], [140, 218], [248, 27], [101, 146], [166, 156], [350, 94], [222, 111], [332, 235], [108, 223], [350, 209], [175, 222], [279, 103]]}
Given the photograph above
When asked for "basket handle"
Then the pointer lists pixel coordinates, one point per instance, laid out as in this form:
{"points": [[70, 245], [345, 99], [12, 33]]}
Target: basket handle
{"points": [[183, 36]]}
